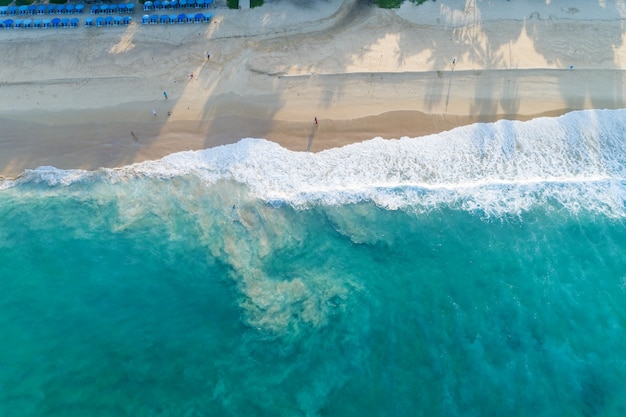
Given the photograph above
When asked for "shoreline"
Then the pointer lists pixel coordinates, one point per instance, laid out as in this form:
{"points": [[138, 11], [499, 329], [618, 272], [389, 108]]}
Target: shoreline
{"points": [[363, 72]]}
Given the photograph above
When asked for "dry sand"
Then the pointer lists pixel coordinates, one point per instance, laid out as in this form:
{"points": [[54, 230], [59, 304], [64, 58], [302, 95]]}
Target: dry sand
{"points": [[70, 98]]}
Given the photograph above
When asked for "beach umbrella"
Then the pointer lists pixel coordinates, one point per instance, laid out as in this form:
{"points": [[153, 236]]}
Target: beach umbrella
{"points": [[182, 17], [95, 9], [154, 18], [108, 20], [17, 23], [127, 19], [32, 9], [79, 8], [164, 18], [27, 23], [46, 23], [104, 8], [174, 4], [117, 20], [74, 22], [37, 23], [65, 22], [165, 4], [60, 9], [8, 23], [23, 9], [182, 4], [145, 19], [4, 10], [147, 5], [41, 9], [55, 22], [52, 8], [207, 17], [99, 21], [69, 8], [130, 7], [89, 21]]}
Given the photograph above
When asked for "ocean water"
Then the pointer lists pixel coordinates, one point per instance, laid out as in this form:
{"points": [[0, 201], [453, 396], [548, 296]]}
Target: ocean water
{"points": [[477, 272]]}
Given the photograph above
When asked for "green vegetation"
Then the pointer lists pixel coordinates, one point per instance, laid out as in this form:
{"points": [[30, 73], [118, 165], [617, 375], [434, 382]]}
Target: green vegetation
{"points": [[234, 4], [23, 2], [58, 1], [394, 4], [5, 2]]}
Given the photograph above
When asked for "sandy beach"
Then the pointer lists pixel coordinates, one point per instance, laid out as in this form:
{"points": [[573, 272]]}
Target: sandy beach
{"points": [[84, 97]]}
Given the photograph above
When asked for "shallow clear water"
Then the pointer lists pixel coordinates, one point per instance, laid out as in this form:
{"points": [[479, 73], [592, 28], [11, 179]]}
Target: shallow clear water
{"points": [[476, 272]]}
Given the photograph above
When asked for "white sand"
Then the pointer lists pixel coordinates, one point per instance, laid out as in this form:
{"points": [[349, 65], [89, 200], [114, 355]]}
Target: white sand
{"points": [[71, 97]]}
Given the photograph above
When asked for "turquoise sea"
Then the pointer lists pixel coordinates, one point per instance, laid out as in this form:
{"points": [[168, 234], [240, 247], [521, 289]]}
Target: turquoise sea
{"points": [[476, 272]]}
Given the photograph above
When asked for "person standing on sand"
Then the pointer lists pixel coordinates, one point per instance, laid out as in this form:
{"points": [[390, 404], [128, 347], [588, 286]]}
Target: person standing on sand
{"points": [[315, 119], [165, 95], [208, 56]]}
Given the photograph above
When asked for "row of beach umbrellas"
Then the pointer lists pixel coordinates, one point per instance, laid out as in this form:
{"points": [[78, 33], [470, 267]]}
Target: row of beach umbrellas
{"points": [[104, 21], [175, 18], [176, 4], [42, 9]]}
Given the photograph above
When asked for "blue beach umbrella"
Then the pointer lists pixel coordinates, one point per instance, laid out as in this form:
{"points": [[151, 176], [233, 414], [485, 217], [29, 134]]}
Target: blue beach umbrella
{"points": [[89, 21], [108, 21], [127, 20], [154, 18], [55, 22], [27, 23], [148, 5], [70, 8], [4, 10], [79, 8], [164, 18], [181, 18], [74, 22], [8, 23], [117, 20], [65, 22], [32, 9], [99, 21], [17, 23]]}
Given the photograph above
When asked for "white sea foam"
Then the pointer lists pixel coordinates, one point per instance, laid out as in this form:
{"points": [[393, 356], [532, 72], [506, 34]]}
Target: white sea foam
{"points": [[577, 160]]}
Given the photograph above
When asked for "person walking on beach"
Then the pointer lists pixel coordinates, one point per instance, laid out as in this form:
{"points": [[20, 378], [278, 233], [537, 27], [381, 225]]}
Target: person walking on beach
{"points": [[165, 95], [208, 56], [315, 119]]}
